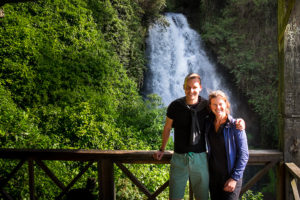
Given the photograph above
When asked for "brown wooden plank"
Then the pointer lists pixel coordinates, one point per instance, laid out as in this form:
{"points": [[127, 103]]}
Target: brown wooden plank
{"points": [[295, 189], [100, 194], [258, 176], [134, 180], [50, 174], [31, 178], [123, 156], [280, 186], [12, 173], [257, 157], [293, 169], [288, 176], [159, 190], [129, 156], [120, 156], [106, 179], [74, 180]]}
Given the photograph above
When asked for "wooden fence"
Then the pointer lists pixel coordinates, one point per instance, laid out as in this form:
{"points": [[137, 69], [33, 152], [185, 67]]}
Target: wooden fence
{"points": [[106, 160], [293, 171]]}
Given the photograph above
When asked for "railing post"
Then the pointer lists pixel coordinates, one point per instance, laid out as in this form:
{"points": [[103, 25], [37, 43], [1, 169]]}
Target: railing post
{"points": [[31, 178], [106, 180], [280, 181], [287, 184]]}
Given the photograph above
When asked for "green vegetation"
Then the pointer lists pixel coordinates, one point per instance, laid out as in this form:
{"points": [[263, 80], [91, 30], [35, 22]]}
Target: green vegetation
{"points": [[70, 72], [243, 35], [249, 195]]}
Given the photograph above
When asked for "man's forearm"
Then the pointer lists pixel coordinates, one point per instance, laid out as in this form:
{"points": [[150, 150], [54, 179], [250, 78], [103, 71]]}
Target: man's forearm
{"points": [[165, 138], [166, 133]]}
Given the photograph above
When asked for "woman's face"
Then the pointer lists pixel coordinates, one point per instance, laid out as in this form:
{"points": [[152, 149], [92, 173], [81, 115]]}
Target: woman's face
{"points": [[218, 107]]}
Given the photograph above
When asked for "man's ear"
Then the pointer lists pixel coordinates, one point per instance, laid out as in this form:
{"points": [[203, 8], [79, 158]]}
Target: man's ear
{"points": [[200, 88]]}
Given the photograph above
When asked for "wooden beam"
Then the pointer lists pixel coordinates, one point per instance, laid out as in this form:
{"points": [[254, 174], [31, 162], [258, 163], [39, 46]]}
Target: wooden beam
{"points": [[51, 175], [99, 181], [258, 176], [160, 189], [280, 182], [31, 178], [134, 180], [105, 160], [106, 176], [122, 156], [75, 180], [295, 189], [293, 169], [12, 173]]}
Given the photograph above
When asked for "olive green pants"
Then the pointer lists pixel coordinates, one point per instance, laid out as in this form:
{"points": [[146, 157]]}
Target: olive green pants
{"points": [[193, 166]]}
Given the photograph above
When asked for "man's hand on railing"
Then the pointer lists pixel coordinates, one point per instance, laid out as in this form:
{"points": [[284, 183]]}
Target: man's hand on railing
{"points": [[158, 155]]}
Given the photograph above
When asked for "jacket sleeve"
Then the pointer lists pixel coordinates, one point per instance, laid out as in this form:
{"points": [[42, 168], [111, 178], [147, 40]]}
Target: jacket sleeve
{"points": [[242, 154]]}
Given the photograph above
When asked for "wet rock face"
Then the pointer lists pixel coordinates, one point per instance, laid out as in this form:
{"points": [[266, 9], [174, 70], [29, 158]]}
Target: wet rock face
{"points": [[292, 86]]}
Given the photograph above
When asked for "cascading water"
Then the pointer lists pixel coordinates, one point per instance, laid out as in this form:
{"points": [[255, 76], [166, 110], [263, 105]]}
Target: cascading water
{"points": [[175, 50]]}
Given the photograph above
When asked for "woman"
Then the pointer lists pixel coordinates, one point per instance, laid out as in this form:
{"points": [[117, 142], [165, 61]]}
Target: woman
{"points": [[227, 148]]}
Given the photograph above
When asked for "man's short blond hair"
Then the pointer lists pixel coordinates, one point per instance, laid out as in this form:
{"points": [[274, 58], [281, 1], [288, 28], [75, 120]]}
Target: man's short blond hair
{"points": [[190, 77]]}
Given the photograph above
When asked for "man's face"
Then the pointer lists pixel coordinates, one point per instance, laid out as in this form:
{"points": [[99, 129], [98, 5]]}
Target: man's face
{"points": [[192, 90]]}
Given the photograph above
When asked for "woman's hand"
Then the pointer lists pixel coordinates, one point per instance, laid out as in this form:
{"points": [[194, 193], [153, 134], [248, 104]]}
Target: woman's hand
{"points": [[240, 124], [230, 185]]}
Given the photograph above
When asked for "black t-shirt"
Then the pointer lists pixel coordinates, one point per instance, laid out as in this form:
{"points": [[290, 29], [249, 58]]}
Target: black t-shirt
{"points": [[218, 170], [180, 113]]}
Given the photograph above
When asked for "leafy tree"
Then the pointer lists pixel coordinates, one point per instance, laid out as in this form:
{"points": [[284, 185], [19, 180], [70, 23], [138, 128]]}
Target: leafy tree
{"points": [[69, 78], [241, 34]]}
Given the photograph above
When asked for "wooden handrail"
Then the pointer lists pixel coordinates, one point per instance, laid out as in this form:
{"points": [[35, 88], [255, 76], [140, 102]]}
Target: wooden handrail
{"points": [[124, 156], [106, 160], [293, 169]]}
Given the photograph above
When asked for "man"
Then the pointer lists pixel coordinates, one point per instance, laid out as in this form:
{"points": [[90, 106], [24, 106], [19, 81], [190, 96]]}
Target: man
{"points": [[186, 115]]}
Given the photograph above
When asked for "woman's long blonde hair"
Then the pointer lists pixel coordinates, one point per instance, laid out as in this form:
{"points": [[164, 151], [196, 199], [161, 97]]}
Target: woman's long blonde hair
{"points": [[219, 93]]}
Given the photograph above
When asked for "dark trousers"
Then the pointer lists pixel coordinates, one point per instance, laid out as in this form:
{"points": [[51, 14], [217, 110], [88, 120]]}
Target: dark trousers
{"points": [[217, 192]]}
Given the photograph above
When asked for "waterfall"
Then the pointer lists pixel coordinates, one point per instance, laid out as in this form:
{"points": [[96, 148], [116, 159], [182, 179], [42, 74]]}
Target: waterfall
{"points": [[174, 50]]}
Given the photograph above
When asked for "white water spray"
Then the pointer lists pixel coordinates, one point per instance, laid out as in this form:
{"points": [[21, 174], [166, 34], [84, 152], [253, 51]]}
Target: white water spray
{"points": [[174, 51]]}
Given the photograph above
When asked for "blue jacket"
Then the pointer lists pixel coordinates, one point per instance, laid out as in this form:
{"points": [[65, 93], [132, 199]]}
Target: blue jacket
{"points": [[236, 147]]}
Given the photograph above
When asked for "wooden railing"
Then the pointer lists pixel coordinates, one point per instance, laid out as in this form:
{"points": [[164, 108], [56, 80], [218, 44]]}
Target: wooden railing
{"points": [[105, 164], [294, 171]]}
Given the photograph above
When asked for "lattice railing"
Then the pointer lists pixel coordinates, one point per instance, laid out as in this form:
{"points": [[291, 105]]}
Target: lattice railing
{"points": [[106, 160]]}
